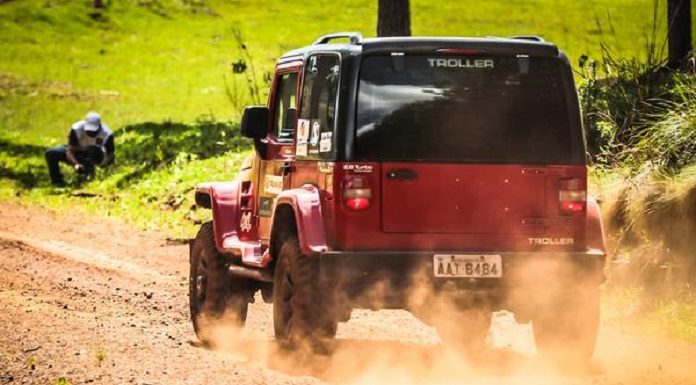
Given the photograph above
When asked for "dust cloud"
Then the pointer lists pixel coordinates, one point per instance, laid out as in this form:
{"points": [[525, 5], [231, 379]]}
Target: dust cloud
{"points": [[394, 347]]}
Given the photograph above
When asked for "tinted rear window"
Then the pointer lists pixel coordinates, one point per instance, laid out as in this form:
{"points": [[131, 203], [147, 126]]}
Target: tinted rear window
{"points": [[463, 109]]}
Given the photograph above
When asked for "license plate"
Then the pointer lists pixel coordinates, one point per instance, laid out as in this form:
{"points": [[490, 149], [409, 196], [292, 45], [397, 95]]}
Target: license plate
{"points": [[467, 266]]}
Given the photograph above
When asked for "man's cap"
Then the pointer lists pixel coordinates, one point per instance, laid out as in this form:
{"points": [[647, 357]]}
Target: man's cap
{"points": [[92, 122]]}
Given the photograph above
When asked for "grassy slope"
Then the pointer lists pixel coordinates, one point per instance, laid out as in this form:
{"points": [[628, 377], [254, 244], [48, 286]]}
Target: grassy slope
{"points": [[138, 66]]}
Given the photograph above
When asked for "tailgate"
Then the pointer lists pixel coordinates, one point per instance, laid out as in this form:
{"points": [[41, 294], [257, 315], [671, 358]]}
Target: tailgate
{"points": [[462, 198]]}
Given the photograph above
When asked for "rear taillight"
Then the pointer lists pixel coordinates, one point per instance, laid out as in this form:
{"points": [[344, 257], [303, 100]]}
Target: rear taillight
{"points": [[356, 193], [572, 196]]}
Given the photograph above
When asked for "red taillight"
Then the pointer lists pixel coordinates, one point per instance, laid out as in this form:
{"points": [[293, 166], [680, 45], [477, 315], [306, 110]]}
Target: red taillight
{"points": [[357, 204], [572, 207], [356, 193], [572, 196]]}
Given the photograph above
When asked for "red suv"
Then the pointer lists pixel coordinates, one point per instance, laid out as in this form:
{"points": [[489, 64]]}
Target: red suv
{"points": [[387, 168]]}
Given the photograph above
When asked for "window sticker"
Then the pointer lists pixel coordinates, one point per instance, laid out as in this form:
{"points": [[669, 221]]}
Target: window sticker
{"points": [[265, 207], [326, 167], [302, 131], [316, 129], [301, 150], [273, 184], [314, 136], [325, 142], [245, 222]]}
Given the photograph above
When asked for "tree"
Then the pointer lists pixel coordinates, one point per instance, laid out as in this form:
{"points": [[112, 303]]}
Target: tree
{"points": [[679, 33], [393, 18], [99, 4]]}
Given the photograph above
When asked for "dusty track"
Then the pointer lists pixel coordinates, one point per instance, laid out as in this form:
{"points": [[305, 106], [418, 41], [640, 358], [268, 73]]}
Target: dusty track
{"points": [[97, 302]]}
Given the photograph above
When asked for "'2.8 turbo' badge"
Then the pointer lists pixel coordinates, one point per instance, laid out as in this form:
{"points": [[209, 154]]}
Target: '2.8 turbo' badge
{"points": [[361, 168]]}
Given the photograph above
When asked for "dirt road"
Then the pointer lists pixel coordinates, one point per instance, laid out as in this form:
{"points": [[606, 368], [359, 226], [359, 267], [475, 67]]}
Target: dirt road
{"points": [[98, 302]]}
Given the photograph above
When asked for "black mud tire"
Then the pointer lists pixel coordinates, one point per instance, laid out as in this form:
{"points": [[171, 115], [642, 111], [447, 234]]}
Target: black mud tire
{"points": [[465, 329], [565, 333], [301, 317], [212, 292]]}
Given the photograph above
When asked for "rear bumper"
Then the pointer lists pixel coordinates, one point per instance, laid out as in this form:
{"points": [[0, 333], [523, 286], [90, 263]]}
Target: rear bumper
{"points": [[361, 274]]}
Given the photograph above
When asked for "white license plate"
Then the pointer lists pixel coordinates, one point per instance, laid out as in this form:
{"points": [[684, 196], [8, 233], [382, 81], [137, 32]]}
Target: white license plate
{"points": [[468, 266]]}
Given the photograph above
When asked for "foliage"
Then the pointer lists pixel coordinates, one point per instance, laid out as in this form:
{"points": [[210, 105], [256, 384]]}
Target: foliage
{"points": [[650, 218], [62, 381], [670, 316], [640, 114], [636, 110], [245, 66], [32, 363], [100, 354]]}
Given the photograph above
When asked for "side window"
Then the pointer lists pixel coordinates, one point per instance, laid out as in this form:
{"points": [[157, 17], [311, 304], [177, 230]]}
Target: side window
{"points": [[318, 113], [285, 98]]}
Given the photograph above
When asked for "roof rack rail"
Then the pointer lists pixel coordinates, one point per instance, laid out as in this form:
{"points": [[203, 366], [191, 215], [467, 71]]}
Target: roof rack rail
{"points": [[355, 37], [528, 37]]}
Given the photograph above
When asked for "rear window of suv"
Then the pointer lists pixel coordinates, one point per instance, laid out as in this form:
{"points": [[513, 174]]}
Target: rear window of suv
{"points": [[475, 109]]}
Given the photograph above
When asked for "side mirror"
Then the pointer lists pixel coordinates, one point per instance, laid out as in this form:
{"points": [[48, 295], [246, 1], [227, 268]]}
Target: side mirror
{"points": [[255, 122]]}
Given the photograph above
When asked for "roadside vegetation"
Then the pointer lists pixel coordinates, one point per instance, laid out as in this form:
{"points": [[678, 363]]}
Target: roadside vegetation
{"points": [[641, 122], [172, 76]]}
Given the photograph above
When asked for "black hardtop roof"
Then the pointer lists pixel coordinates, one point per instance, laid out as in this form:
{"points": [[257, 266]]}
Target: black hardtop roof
{"points": [[527, 45]]}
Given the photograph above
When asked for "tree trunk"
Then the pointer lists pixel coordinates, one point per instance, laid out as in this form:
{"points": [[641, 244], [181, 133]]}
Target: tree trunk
{"points": [[679, 33], [99, 4], [393, 18]]}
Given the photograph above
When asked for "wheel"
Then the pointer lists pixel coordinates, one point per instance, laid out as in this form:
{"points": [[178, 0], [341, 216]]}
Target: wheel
{"points": [[301, 318], [464, 329], [213, 294], [566, 332]]}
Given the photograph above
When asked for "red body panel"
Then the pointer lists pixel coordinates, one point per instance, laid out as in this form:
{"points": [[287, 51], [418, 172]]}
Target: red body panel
{"points": [[224, 200], [532, 202], [461, 198], [306, 204]]}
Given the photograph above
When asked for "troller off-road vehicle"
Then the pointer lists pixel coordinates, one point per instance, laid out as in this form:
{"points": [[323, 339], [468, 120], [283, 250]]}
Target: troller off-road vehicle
{"points": [[410, 173]]}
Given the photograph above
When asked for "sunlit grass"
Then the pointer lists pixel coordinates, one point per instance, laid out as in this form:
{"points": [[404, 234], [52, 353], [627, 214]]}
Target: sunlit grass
{"points": [[672, 316], [133, 64]]}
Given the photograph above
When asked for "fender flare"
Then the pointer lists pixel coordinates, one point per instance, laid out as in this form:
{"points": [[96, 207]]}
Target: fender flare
{"points": [[223, 200], [594, 234], [305, 203]]}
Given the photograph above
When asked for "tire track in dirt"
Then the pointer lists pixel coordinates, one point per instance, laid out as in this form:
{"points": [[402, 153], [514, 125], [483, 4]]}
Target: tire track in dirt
{"points": [[94, 325]]}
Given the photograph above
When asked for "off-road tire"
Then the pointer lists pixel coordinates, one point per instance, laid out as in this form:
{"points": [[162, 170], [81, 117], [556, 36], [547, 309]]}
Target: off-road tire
{"points": [[566, 332], [301, 317], [213, 294]]}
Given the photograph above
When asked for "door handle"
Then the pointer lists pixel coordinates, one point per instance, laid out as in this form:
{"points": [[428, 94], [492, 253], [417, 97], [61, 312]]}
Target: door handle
{"points": [[402, 174], [286, 168]]}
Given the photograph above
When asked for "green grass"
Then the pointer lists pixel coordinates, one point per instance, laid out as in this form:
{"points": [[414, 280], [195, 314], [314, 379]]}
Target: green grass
{"points": [[167, 63], [158, 166], [672, 317], [134, 65]]}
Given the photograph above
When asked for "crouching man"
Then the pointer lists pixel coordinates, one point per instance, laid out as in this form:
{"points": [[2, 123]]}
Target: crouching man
{"points": [[90, 144]]}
